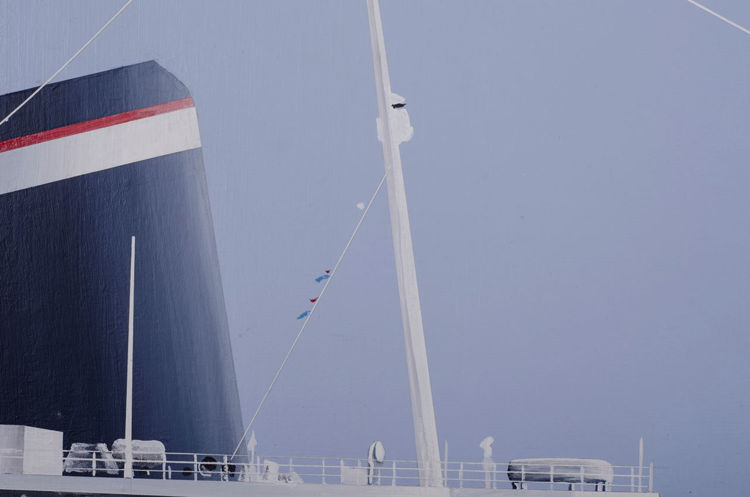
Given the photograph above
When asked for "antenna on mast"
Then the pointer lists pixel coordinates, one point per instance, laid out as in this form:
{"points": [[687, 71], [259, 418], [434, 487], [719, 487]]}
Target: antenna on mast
{"points": [[128, 470], [393, 129]]}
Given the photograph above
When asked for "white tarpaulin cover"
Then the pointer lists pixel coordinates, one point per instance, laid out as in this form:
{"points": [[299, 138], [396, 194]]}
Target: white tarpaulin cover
{"points": [[563, 470], [146, 453]]}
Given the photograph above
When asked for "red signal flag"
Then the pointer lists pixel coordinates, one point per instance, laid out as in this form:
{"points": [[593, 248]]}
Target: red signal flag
{"points": [[313, 300], [328, 271]]}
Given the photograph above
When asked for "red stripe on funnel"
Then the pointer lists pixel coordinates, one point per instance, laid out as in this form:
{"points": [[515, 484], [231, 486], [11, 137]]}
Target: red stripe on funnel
{"points": [[102, 122]]}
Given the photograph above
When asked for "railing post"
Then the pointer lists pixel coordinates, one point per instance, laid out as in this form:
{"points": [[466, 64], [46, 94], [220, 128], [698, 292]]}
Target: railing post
{"points": [[323, 476], [393, 473], [461, 475], [551, 477], [640, 477], [195, 467], [523, 475], [580, 471], [290, 466], [445, 456], [225, 469], [93, 463], [164, 468], [632, 479], [640, 465], [651, 477]]}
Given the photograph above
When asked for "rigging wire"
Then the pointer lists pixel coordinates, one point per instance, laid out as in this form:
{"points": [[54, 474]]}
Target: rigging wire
{"points": [[719, 16], [124, 6], [307, 319]]}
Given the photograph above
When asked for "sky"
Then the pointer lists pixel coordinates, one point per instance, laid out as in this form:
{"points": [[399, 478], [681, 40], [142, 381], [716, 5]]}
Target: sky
{"points": [[577, 184]]}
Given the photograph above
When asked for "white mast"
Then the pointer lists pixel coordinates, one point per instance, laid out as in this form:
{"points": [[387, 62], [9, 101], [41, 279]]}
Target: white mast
{"points": [[394, 128], [128, 470]]}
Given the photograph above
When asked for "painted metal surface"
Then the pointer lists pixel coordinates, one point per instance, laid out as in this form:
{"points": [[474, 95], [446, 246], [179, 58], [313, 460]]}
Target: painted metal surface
{"points": [[394, 128], [64, 255], [96, 148], [119, 486]]}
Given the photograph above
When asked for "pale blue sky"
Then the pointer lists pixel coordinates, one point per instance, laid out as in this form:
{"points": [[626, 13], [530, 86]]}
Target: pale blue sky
{"points": [[578, 186]]}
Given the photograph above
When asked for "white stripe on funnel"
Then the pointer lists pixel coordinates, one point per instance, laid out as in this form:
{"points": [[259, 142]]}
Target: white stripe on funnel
{"points": [[99, 149]]}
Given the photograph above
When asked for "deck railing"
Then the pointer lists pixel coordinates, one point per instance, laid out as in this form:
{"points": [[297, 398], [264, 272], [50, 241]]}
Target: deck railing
{"points": [[331, 470]]}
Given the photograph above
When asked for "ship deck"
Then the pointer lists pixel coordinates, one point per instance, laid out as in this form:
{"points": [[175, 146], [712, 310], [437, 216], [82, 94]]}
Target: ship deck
{"points": [[183, 474], [189, 488]]}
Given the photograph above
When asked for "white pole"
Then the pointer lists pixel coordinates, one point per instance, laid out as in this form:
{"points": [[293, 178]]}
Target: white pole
{"points": [[640, 464], [393, 129], [251, 444], [445, 463], [128, 472], [651, 477]]}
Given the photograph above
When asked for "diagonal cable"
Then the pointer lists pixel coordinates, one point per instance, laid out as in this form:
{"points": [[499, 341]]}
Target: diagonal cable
{"points": [[719, 16], [307, 319], [124, 6]]}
